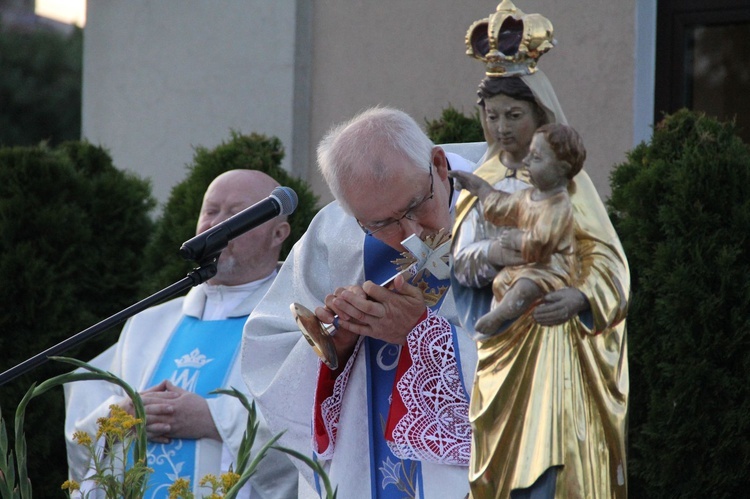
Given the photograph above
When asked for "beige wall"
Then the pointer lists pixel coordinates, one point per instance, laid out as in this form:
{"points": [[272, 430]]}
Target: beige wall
{"points": [[411, 55], [162, 77]]}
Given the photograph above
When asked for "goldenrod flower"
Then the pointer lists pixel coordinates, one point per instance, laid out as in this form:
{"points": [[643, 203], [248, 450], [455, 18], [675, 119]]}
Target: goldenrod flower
{"points": [[70, 485], [180, 488], [210, 479], [117, 424], [82, 438], [228, 480]]}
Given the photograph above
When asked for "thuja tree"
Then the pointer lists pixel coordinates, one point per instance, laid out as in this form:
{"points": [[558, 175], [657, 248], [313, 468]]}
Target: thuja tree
{"points": [[681, 205], [178, 221], [73, 228], [40, 87], [453, 126]]}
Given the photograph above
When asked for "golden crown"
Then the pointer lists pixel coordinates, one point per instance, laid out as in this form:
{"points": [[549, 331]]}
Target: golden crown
{"points": [[509, 42]]}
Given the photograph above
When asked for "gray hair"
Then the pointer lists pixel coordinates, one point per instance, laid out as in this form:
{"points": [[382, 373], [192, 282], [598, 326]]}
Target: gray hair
{"points": [[352, 151]]}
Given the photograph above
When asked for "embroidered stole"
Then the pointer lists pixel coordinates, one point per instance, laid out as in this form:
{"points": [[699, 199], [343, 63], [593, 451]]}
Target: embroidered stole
{"points": [[197, 358], [390, 476]]}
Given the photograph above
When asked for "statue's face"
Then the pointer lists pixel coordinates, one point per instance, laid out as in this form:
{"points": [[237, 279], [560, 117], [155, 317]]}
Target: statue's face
{"points": [[546, 172], [511, 122]]}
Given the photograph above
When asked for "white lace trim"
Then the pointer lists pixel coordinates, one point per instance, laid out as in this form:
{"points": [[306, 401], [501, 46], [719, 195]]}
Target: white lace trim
{"points": [[330, 408], [436, 426]]}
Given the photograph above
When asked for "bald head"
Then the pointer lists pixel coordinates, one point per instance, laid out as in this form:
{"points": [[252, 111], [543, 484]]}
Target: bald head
{"points": [[253, 255], [243, 183]]}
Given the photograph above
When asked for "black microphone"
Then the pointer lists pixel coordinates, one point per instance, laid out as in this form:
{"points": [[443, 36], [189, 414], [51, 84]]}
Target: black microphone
{"points": [[208, 244]]}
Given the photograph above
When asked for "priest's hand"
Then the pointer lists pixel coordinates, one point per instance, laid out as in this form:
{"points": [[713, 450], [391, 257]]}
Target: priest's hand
{"points": [[378, 312], [344, 340], [172, 412]]}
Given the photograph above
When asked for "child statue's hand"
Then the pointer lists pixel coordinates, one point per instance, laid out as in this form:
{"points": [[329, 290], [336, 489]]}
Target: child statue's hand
{"points": [[472, 183]]}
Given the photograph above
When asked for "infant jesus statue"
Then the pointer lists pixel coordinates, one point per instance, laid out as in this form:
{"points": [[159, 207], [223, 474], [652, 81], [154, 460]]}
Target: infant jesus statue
{"points": [[540, 226]]}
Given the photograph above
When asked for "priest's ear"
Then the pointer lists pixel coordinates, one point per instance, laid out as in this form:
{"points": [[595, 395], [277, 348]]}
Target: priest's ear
{"points": [[280, 232], [439, 162]]}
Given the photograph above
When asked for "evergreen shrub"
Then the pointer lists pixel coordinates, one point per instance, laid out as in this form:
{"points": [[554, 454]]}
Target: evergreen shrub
{"points": [[681, 206], [40, 87], [73, 229], [177, 224], [455, 127]]}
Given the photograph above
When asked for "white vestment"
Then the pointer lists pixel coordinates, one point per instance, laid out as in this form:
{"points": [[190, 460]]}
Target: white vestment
{"points": [[135, 356], [280, 367]]}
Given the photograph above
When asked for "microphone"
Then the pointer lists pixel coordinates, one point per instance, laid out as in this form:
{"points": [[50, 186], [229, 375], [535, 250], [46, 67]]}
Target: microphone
{"points": [[208, 244]]}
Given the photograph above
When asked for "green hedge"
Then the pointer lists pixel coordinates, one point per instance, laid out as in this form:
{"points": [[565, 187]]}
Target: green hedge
{"points": [[177, 224], [40, 87], [79, 245], [73, 229], [681, 205], [452, 126]]}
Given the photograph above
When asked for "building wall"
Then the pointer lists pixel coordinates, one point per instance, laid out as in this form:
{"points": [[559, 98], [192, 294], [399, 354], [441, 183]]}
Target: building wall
{"points": [[160, 77], [411, 55]]}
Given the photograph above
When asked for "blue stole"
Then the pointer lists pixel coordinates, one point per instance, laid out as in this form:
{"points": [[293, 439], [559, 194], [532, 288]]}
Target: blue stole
{"points": [[390, 476], [197, 358]]}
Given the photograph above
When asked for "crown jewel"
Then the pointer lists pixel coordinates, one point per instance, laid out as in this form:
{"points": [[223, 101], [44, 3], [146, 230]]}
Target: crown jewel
{"points": [[509, 42]]}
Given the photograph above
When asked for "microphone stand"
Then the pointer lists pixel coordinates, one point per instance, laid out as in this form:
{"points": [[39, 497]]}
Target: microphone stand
{"points": [[204, 272]]}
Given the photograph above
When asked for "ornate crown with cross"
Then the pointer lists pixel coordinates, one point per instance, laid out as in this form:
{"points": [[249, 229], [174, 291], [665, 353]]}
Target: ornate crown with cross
{"points": [[509, 42]]}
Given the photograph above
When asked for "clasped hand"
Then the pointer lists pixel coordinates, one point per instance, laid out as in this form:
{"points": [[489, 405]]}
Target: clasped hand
{"points": [[172, 412], [372, 310]]}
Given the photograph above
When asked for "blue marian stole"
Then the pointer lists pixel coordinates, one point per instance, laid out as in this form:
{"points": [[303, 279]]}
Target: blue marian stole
{"points": [[197, 358], [390, 476]]}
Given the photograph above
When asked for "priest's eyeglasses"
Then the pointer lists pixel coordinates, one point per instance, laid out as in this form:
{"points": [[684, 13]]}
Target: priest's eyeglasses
{"points": [[390, 227]]}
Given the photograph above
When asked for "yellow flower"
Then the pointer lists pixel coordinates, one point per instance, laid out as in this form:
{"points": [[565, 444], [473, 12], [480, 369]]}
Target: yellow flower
{"points": [[210, 479], [70, 485], [180, 488], [117, 424], [82, 438], [228, 480]]}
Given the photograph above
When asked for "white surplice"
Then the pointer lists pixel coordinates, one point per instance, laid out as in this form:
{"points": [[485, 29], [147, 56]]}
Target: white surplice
{"points": [[134, 358], [280, 368]]}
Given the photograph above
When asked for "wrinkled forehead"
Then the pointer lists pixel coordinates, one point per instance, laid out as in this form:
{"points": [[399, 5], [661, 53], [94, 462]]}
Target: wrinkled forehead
{"points": [[381, 167], [384, 197]]}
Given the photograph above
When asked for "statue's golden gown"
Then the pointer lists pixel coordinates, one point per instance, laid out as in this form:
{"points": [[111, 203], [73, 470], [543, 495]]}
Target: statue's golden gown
{"points": [[556, 396]]}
